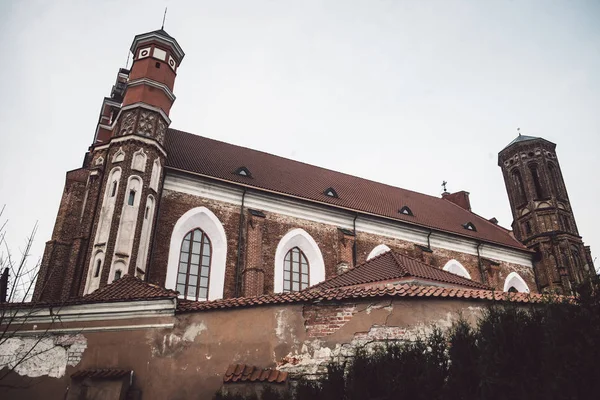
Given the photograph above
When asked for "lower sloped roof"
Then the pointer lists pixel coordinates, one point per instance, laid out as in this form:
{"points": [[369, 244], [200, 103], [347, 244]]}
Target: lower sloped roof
{"points": [[393, 266]]}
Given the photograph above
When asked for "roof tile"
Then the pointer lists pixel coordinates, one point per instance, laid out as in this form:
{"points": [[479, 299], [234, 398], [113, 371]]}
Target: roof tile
{"points": [[250, 373]]}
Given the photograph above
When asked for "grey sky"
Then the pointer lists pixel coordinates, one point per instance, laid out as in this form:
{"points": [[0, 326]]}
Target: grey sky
{"points": [[403, 92]]}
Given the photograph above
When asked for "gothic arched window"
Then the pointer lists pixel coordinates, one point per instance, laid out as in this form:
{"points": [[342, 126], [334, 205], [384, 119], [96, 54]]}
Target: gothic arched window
{"points": [[194, 266], [295, 271], [97, 271], [555, 178], [520, 189], [537, 182]]}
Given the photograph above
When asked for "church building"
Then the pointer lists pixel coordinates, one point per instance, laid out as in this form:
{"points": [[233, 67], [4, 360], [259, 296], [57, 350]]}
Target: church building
{"points": [[180, 264], [213, 220]]}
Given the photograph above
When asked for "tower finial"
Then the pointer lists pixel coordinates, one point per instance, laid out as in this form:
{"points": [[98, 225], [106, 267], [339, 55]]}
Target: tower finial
{"points": [[444, 183], [519, 131], [164, 17]]}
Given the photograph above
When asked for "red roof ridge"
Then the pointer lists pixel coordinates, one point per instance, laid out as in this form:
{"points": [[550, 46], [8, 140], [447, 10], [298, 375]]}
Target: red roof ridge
{"points": [[129, 287], [362, 292]]}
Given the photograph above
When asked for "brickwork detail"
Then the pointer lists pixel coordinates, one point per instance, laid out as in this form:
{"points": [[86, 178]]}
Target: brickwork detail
{"points": [[322, 321]]}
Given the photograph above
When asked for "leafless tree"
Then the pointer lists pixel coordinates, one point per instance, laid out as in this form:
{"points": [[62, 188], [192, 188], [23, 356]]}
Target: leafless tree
{"points": [[17, 311]]}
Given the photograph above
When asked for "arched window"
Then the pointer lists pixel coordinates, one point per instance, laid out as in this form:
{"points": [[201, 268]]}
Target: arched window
{"points": [[457, 268], [194, 266], [537, 182], [514, 281], [296, 248], [117, 275], [113, 191], [555, 178], [97, 271], [512, 289], [377, 250], [520, 189], [205, 220], [295, 271], [131, 199]]}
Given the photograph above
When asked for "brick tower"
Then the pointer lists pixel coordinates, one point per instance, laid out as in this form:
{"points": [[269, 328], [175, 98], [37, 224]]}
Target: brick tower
{"points": [[106, 218], [542, 215]]}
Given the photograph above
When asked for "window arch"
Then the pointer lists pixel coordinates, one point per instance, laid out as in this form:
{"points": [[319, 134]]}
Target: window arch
{"points": [[514, 280], [555, 178], [296, 271], [518, 183], [203, 219], [537, 182], [298, 238], [193, 272], [94, 272], [457, 268], [377, 250]]}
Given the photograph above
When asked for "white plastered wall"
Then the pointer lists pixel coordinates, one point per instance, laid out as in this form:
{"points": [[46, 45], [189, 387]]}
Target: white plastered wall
{"points": [[204, 219], [127, 224], [513, 279], [142, 256], [457, 268], [301, 239], [377, 250]]}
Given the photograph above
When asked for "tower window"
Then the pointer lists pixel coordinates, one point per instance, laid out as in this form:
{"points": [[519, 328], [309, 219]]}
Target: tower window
{"points": [[535, 175], [131, 198], [113, 191], [520, 189], [295, 271], [147, 211], [527, 227], [555, 178], [117, 274], [97, 271], [157, 65], [331, 192]]}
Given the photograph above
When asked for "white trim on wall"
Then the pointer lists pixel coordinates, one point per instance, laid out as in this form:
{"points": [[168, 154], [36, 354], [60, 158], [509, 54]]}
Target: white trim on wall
{"points": [[204, 219], [457, 268], [514, 279], [377, 250], [198, 186], [301, 239]]}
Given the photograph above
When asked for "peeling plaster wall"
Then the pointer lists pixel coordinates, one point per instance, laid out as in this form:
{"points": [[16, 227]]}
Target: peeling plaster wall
{"points": [[42, 356], [190, 359]]}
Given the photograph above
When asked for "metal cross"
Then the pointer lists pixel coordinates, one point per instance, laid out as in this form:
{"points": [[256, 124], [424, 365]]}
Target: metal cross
{"points": [[444, 183]]}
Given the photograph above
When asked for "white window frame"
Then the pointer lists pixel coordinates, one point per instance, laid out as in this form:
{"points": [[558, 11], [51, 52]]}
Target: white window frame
{"points": [[457, 268], [301, 239]]}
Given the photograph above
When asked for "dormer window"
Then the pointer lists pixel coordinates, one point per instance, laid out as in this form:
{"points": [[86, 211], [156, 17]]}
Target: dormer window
{"points": [[406, 211], [469, 226], [331, 192], [243, 171]]}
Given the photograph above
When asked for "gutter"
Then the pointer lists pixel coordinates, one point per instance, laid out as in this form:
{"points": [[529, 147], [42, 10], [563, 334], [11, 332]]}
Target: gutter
{"points": [[354, 242]]}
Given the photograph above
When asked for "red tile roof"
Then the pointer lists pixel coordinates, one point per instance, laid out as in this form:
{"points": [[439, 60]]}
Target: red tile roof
{"points": [[101, 373], [129, 288], [249, 373], [392, 266], [219, 160], [402, 290]]}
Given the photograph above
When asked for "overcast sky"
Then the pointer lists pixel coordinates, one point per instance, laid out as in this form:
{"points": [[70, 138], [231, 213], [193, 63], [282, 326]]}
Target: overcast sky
{"points": [[408, 93]]}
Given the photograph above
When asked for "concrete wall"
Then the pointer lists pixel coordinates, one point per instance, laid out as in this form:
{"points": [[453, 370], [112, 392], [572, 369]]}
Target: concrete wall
{"points": [[190, 359]]}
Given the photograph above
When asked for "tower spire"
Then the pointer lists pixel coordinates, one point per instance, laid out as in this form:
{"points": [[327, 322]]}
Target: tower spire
{"points": [[164, 17]]}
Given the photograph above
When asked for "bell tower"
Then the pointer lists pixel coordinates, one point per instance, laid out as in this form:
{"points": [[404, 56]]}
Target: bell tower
{"points": [[128, 155], [543, 219]]}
